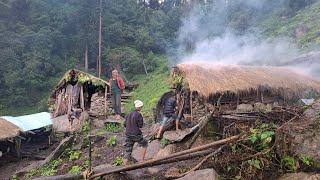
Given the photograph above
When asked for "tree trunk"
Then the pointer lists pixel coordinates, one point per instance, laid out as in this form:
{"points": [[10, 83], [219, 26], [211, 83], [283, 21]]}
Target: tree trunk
{"points": [[86, 59], [100, 39], [145, 67]]}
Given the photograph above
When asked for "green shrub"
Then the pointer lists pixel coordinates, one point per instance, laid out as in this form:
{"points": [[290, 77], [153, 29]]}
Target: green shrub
{"points": [[289, 163], [164, 142], [112, 141], [75, 169], [306, 160], [118, 161], [112, 127], [74, 155]]}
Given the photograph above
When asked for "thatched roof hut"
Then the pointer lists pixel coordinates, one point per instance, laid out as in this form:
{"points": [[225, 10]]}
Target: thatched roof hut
{"points": [[8, 130], [211, 79], [83, 78]]}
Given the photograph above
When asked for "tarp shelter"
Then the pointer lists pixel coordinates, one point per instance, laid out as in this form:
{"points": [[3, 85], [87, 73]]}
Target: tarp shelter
{"points": [[30, 122], [12, 127]]}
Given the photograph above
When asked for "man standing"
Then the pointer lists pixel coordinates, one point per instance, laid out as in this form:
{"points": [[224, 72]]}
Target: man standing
{"points": [[169, 115], [133, 123], [117, 86]]}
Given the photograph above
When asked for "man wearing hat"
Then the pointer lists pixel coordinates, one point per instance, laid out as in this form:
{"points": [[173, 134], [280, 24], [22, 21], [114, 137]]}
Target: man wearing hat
{"points": [[133, 123]]}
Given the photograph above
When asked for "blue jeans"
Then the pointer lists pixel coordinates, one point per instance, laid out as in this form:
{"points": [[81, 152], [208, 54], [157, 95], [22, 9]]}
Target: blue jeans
{"points": [[167, 120]]}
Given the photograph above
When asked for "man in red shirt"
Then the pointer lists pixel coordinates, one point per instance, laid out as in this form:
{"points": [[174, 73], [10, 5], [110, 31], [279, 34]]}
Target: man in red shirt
{"points": [[116, 88]]}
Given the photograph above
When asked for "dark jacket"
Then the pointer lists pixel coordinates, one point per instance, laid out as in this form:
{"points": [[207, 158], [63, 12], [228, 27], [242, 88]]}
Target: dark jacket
{"points": [[169, 107], [133, 123]]}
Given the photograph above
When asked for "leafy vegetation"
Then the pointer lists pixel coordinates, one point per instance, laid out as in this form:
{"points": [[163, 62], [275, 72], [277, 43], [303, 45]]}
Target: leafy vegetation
{"points": [[75, 169], [118, 161], [306, 160], [47, 170], [164, 142], [289, 163], [112, 141], [263, 135], [113, 127], [40, 40], [74, 155]]}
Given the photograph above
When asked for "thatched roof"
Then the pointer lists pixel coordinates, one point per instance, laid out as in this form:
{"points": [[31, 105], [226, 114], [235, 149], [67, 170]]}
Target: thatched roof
{"points": [[8, 130], [209, 79], [83, 77]]}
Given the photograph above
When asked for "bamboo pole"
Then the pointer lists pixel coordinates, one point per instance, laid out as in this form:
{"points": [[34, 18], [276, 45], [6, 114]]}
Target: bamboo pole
{"points": [[155, 161]]}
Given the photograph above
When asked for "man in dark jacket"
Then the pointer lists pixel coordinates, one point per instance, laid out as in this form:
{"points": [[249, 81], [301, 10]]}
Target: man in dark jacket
{"points": [[169, 114], [133, 123]]}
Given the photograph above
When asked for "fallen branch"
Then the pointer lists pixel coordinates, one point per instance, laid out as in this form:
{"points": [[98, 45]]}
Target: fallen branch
{"points": [[283, 125], [200, 163], [203, 124], [157, 161]]}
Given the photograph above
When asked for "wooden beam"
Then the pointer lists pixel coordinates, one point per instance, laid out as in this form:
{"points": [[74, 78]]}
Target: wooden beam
{"points": [[153, 162]]}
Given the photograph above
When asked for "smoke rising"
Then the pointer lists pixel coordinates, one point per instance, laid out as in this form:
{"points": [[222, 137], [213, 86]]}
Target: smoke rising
{"points": [[230, 32]]}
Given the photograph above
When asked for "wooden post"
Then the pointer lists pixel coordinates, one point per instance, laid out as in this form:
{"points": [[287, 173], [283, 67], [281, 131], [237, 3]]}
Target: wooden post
{"points": [[18, 146], [105, 101], [238, 99], [191, 102], [81, 97]]}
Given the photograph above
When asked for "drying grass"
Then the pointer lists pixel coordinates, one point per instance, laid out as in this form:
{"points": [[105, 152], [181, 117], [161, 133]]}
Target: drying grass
{"points": [[208, 79], [8, 130]]}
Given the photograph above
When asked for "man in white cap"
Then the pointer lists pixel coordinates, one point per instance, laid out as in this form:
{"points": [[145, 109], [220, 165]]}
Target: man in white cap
{"points": [[133, 123]]}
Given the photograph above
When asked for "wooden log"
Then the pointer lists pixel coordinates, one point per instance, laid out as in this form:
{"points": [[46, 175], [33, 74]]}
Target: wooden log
{"points": [[100, 169], [154, 162], [65, 143], [202, 123]]}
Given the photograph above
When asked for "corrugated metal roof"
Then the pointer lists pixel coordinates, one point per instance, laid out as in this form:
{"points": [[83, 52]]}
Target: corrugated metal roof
{"points": [[30, 122]]}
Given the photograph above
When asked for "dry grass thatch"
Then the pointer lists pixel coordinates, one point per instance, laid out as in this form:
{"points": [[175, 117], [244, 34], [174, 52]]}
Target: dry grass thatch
{"points": [[8, 130], [209, 79]]}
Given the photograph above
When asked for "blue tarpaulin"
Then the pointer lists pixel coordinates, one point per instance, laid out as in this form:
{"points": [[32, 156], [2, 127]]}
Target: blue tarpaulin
{"points": [[30, 122]]}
